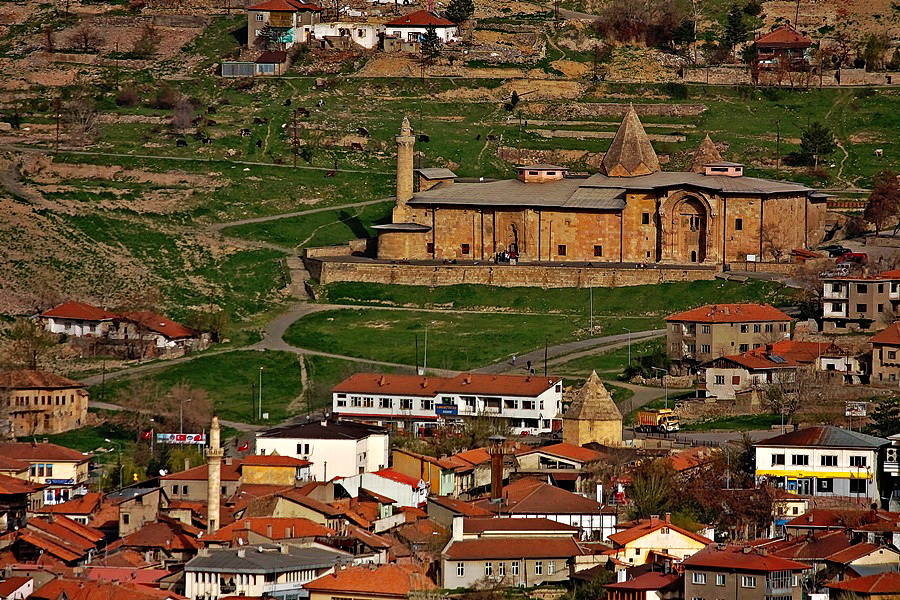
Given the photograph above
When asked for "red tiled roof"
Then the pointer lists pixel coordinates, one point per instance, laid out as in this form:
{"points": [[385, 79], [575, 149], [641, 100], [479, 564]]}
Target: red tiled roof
{"points": [[459, 506], [229, 473], [464, 383], [274, 460], [280, 527], [691, 457], [529, 496], [81, 589], [285, 5], [646, 582], [83, 505], [420, 18], [134, 575], [730, 313], [890, 336], [396, 581], [648, 526], [512, 547], [476, 525], [27, 379], [570, 451], [159, 324], [855, 552], [166, 534], [735, 557], [792, 352], [815, 547], [79, 311], [11, 464], [473, 457], [323, 508], [14, 485], [881, 583], [784, 37], [34, 452], [398, 477], [12, 584]]}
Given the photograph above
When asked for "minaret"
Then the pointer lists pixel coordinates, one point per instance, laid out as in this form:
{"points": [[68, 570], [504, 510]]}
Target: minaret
{"points": [[405, 142], [214, 485]]}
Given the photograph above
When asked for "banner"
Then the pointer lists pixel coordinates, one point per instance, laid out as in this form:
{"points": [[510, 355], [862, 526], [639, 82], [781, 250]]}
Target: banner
{"points": [[181, 438], [446, 409], [855, 409]]}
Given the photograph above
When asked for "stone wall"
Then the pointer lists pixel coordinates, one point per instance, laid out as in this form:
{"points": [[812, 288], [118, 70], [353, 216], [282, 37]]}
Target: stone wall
{"points": [[332, 270], [607, 109], [718, 75]]}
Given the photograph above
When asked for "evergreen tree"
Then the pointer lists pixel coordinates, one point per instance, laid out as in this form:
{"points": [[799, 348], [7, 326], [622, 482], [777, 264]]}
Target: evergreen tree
{"points": [[886, 418], [430, 44], [735, 28], [817, 141], [460, 10]]}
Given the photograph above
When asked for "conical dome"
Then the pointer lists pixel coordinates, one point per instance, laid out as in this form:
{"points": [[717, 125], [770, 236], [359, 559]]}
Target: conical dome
{"points": [[593, 402], [630, 152], [705, 153]]}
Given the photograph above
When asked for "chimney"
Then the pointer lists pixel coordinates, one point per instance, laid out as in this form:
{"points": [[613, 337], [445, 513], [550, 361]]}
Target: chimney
{"points": [[746, 549], [324, 422], [467, 379], [381, 381], [242, 552], [762, 551], [247, 524], [668, 517], [187, 463], [405, 146], [496, 451], [228, 461], [654, 520], [600, 493], [214, 484], [457, 528], [269, 531]]}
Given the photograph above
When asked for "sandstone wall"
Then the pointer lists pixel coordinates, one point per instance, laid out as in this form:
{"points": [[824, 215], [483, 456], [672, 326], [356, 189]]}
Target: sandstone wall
{"points": [[718, 75], [330, 271]]}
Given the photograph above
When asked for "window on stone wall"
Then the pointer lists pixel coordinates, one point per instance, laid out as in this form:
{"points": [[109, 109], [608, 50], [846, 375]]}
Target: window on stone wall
{"points": [[465, 248], [738, 224], [598, 250], [561, 249], [429, 248], [645, 218]]}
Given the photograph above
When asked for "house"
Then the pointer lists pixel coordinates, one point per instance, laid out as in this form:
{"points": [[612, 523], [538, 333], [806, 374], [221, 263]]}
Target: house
{"points": [[871, 525], [42, 403], [282, 22], [704, 333], [651, 585], [267, 530], [635, 544], [592, 416], [191, 484], [17, 499], [631, 211], [563, 463], [273, 469], [526, 403], [861, 559], [882, 586], [437, 473], [155, 333], [16, 588], [80, 509], [56, 541], [383, 582], [63, 588], [402, 489], [823, 461], [272, 62], [335, 447], [783, 48], [519, 552], [442, 510], [859, 302], [137, 505], [165, 541], [77, 319], [732, 572], [258, 570], [726, 377], [64, 471], [413, 26], [348, 34], [532, 498], [885, 361]]}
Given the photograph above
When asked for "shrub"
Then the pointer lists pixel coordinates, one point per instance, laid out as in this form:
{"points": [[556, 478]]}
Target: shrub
{"points": [[676, 90], [128, 96]]}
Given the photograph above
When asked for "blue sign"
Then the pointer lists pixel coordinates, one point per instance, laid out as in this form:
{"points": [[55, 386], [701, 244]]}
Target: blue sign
{"points": [[446, 409], [59, 481]]}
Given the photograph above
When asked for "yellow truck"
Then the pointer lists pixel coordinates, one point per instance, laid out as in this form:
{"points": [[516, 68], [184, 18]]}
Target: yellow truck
{"points": [[663, 420]]}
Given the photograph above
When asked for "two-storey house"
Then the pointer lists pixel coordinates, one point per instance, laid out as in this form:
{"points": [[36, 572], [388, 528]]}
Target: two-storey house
{"points": [[525, 403], [282, 22], [655, 535], [886, 355], [707, 332], [64, 471], [727, 572], [864, 302], [37, 402], [823, 461]]}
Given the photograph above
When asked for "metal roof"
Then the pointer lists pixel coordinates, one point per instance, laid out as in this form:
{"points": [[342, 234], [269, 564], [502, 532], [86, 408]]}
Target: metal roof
{"points": [[542, 167], [265, 558], [402, 227], [597, 198], [825, 435], [436, 173]]}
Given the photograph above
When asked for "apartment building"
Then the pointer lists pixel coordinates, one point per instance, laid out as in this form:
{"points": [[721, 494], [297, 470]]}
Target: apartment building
{"points": [[528, 403], [860, 303], [707, 332], [738, 573], [885, 353]]}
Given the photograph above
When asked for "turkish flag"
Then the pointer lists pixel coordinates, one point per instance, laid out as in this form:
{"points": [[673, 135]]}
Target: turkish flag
{"points": [[147, 435], [244, 447]]}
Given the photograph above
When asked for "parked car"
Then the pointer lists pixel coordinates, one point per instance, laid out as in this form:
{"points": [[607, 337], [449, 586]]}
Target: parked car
{"points": [[857, 258]]}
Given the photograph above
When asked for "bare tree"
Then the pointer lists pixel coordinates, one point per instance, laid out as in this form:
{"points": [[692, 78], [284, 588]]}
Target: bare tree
{"points": [[147, 45], [182, 114], [773, 241], [85, 38], [27, 344], [81, 116]]}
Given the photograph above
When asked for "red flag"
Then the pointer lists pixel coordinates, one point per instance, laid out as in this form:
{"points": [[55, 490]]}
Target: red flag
{"points": [[244, 447], [147, 435]]}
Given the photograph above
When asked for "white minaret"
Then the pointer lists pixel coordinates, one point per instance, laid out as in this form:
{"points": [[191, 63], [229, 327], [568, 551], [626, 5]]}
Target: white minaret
{"points": [[214, 485]]}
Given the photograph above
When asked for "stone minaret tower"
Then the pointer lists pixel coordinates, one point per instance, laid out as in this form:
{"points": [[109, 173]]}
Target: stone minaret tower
{"points": [[405, 143], [214, 485]]}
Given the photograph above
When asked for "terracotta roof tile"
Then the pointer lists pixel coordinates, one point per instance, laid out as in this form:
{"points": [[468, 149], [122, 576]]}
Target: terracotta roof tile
{"points": [[83, 505], [459, 506], [280, 527], [735, 557], [464, 383], [420, 18], [83, 589], [691, 457], [159, 324], [648, 526], [647, 582], [12, 584], [14, 485], [395, 581], [34, 452], [889, 336], [229, 472], [481, 525], [811, 548], [791, 352], [285, 5], [165, 533], [570, 451], [27, 379], [784, 37], [855, 552], [529, 496], [730, 313], [274, 460], [79, 311], [881, 583], [512, 547], [398, 477]]}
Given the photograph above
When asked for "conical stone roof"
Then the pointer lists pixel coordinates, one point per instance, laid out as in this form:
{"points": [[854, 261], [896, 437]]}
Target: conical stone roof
{"points": [[630, 152], [593, 402], [705, 153]]}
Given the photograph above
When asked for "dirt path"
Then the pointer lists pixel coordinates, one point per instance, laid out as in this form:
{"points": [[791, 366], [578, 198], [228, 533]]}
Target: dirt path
{"points": [[218, 227]]}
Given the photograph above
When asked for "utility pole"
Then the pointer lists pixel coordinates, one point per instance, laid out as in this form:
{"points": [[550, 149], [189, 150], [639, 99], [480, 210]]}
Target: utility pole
{"points": [[778, 147], [546, 342], [592, 309], [260, 392], [58, 107], [295, 141]]}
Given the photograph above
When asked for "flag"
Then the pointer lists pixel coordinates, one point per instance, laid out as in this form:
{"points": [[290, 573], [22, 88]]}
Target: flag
{"points": [[147, 435], [244, 447]]}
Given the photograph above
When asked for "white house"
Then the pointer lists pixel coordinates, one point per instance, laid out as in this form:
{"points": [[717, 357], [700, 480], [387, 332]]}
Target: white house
{"points": [[259, 570], [365, 35], [412, 26], [402, 489], [336, 447], [822, 461], [285, 22], [528, 403], [77, 319]]}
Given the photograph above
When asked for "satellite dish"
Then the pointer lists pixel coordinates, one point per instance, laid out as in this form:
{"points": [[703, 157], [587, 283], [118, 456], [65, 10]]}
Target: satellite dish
{"points": [[163, 472], [240, 541]]}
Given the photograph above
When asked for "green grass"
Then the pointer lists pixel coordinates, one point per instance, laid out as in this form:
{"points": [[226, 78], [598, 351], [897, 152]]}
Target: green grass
{"points": [[89, 439], [659, 299], [231, 380], [318, 229], [608, 363], [734, 423], [619, 394]]}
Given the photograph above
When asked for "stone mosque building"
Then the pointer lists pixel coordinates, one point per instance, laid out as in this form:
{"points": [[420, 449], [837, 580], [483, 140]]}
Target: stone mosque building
{"points": [[632, 211]]}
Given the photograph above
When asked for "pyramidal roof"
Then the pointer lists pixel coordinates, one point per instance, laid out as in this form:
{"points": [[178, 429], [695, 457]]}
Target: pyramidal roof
{"points": [[705, 153], [630, 152], [593, 402]]}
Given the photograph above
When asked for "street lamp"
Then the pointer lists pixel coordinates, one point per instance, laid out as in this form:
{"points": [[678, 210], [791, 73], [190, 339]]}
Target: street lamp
{"points": [[629, 345], [121, 466], [260, 392], [181, 414], [665, 381]]}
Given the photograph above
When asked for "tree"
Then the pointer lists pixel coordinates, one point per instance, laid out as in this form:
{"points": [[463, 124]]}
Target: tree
{"points": [[460, 11], [884, 201], [735, 30], [816, 142], [874, 47], [773, 241], [430, 44], [214, 322], [147, 45], [651, 490], [885, 418], [82, 118], [85, 37], [27, 344], [182, 114]]}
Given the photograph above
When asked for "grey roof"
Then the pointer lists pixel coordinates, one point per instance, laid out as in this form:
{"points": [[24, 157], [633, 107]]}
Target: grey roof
{"points": [[723, 163], [436, 173], [825, 435], [402, 227], [598, 191], [333, 430], [265, 558]]}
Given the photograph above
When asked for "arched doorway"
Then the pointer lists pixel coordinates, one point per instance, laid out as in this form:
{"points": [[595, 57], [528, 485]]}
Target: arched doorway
{"points": [[690, 220]]}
